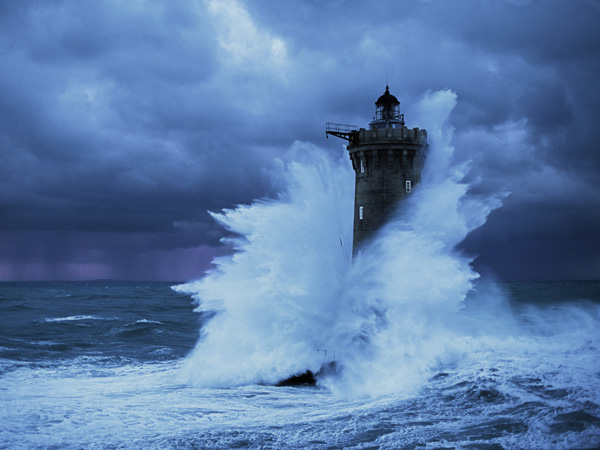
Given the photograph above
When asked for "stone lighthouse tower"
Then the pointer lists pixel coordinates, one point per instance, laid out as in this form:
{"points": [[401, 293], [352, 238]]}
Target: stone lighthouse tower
{"points": [[387, 159]]}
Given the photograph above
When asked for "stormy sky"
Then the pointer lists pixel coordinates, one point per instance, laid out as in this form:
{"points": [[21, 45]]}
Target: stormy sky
{"points": [[123, 123]]}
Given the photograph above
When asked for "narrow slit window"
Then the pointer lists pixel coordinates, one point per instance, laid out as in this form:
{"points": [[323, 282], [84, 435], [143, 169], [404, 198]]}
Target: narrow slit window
{"points": [[360, 213], [408, 186], [362, 166]]}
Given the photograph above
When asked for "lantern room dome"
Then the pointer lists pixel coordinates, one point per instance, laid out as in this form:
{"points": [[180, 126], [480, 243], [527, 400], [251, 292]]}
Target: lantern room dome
{"points": [[387, 99]]}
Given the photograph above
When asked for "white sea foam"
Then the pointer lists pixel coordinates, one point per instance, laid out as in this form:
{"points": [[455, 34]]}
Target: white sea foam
{"points": [[278, 295], [76, 318], [287, 291], [156, 322], [395, 317]]}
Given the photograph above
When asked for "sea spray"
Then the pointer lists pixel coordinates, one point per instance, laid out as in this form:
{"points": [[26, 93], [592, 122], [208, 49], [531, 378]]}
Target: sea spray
{"points": [[286, 292], [277, 295]]}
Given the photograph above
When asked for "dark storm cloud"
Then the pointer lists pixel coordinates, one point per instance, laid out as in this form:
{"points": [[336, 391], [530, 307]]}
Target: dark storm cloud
{"points": [[134, 119], [109, 122], [114, 119]]}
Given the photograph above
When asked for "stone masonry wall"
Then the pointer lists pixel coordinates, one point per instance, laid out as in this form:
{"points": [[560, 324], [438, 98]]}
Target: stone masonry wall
{"points": [[383, 160]]}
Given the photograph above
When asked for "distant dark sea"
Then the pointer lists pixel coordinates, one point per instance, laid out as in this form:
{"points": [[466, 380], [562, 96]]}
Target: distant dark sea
{"points": [[96, 365]]}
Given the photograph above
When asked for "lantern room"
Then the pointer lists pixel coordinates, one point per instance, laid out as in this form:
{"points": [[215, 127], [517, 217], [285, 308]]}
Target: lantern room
{"points": [[387, 112]]}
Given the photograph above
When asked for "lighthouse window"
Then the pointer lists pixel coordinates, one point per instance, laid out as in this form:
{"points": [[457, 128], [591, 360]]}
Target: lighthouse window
{"points": [[362, 166], [360, 213], [408, 186]]}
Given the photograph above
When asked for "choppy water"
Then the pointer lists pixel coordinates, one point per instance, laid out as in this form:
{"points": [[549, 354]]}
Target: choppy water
{"points": [[99, 365]]}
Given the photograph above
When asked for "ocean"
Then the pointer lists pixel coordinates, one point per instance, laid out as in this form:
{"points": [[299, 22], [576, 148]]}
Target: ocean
{"points": [[99, 365]]}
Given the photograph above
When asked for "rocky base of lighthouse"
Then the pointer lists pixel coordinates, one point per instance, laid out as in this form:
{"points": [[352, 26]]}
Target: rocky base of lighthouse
{"points": [[310, 378]]}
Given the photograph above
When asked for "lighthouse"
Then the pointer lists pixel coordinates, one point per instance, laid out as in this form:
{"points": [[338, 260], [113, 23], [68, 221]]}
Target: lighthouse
{"points": [[387, 159]]}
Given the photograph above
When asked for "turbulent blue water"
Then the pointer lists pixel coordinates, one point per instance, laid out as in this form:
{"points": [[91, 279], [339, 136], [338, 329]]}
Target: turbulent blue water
{"points": [[98, 365], [118, 322], [431, 356]]}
